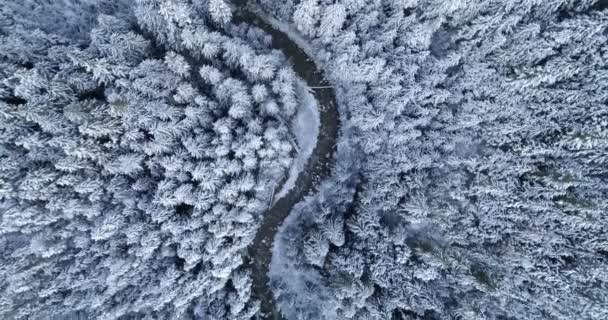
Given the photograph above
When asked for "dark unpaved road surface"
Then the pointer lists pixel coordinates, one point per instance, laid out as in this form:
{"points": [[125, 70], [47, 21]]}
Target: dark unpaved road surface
{"points": [[317, 169]]}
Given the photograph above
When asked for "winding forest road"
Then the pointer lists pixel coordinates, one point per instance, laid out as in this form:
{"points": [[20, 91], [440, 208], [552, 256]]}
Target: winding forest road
{"points": [[318, 167]]}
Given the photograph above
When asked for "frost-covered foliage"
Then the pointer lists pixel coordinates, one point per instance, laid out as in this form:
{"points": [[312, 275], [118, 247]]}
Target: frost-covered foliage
{"points": [[70, 18], [138, 149], [482, 194], [141, 141]]}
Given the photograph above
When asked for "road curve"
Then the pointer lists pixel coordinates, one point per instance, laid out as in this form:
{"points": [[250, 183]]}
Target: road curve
{"points": [[318, 168]]}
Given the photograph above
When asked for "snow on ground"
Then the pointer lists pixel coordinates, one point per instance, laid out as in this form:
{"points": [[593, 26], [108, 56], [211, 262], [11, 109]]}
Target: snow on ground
{"points": [[305, 127]]}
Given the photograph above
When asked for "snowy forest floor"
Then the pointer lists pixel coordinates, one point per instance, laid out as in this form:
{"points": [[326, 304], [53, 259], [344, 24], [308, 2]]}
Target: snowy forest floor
{"points": [[316, 169]]}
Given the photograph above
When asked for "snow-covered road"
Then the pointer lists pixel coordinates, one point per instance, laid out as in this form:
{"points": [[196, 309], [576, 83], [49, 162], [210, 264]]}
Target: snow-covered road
{"points": [[316, 169], [305, 127]]}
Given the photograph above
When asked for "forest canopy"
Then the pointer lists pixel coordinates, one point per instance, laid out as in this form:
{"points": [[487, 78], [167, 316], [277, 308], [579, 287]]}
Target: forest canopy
{"points": [[140, 147], [473, 179], [142, 142]]}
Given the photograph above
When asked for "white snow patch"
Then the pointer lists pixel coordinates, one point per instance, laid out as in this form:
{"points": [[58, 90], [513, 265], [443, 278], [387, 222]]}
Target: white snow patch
{"points": [[305, 127]]}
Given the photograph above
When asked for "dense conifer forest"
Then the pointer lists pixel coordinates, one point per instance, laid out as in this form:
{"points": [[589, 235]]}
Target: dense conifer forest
{"points": [[393, 159]]}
